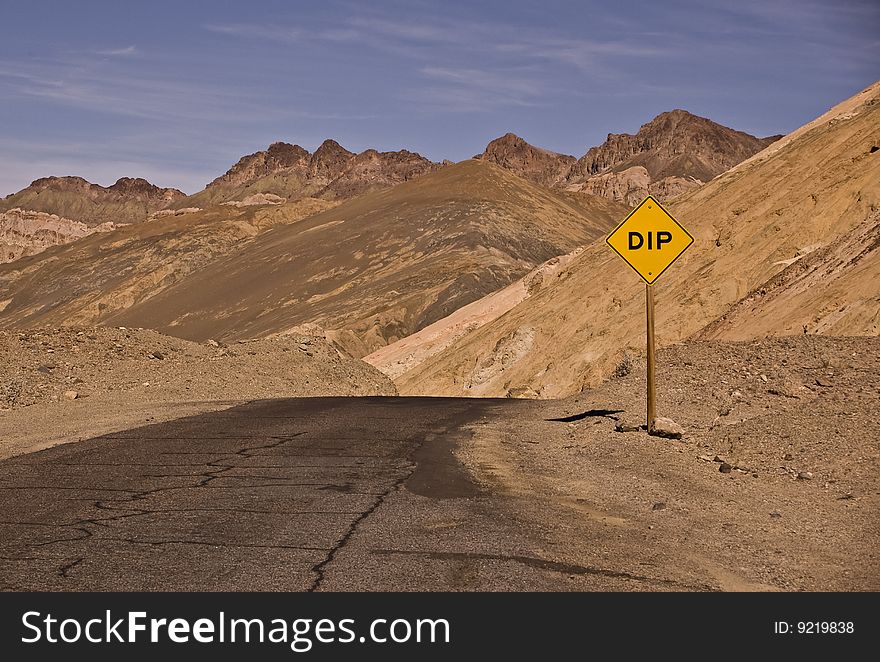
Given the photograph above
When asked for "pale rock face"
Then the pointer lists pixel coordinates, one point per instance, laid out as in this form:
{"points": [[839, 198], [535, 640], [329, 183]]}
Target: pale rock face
{"points": [[24, 233], [173, 212], [256, 199], [629, 187], [669, 187]]}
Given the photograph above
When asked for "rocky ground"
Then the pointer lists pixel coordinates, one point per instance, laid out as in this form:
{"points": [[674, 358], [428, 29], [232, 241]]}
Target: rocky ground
{"points": [[774, 485], [63, 384]]}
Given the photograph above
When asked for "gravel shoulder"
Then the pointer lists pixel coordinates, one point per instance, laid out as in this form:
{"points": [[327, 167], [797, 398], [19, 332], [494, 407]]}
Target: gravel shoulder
{"points": [[793, 424]]}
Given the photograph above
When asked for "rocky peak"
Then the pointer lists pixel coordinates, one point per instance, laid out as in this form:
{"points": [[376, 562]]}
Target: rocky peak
{"points": [[328, 162], [59, 184], [372, 170], [140, 188], [332, 172], [285, 155], [538, 165], [675, 143], [278, 157], [507, 140]]}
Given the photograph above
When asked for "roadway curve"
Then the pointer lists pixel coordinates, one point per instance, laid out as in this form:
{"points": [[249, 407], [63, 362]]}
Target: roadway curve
{"points": [[290, 495]]}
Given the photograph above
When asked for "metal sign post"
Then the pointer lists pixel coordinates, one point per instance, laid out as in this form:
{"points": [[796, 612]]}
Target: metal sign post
{"points": [[652, 394], [649, 240]]}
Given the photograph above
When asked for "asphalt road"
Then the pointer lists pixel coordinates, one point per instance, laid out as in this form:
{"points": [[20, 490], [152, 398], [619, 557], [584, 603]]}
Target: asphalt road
{"points": [[300, 494], [264, 496]]}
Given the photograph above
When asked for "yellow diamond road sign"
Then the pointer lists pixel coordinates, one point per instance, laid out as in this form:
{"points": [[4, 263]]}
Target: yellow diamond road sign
{"points": [[649, 240]]}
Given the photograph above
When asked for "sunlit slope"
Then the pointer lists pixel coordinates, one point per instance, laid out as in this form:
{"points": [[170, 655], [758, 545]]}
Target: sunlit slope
{"points": [[371, 270], [381, 266], [91, 279], [749, 224]]}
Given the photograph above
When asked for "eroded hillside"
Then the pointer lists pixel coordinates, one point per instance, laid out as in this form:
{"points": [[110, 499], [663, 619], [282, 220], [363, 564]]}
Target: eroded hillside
{"points": [[819, 190]]}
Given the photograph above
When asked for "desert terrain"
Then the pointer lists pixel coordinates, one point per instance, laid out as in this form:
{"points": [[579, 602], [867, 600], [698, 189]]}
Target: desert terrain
{"points": [[772, 488], [74, 383], [381, 372]]}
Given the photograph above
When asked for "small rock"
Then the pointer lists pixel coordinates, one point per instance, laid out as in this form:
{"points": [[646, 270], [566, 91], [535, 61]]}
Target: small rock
{"points": [[707, 458], [720, 459], [666, 428], [157, 355], [71, 395], [788, 456], [212, 343], [660, 505], [805, 475], [725, 468], [764, 378], [626, 427], [824, 383], [775, 514]]}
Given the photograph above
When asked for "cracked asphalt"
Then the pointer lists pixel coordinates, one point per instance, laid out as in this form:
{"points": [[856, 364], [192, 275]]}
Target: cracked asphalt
{"points": [[302, 494]]}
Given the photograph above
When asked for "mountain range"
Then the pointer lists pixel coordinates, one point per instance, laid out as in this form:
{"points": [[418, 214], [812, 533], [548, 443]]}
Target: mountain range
{"points": [[291, 172], [486, 277], [673, 153], [373, 269]]}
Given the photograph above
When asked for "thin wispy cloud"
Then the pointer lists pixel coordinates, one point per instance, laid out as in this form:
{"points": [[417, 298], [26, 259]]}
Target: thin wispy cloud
{"points": [[424, 36], [477, 90], [514, 62], [257, 31], [93, 86], [128, 51]]}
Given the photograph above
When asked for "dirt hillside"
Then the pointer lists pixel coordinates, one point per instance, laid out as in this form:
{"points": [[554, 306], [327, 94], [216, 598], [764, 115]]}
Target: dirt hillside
{"points": [[750, 224], [88, 280], [71, 383], [374, 269]]}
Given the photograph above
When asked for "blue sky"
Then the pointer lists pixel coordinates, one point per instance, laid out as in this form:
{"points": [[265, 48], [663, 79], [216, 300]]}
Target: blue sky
{"points": [[177, 91]]}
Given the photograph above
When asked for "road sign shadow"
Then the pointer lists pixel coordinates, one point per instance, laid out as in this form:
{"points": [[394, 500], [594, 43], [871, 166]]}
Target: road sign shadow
{"points": [[590, 413]]}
